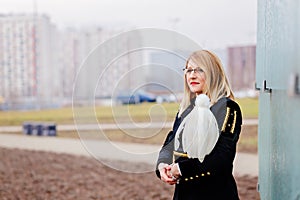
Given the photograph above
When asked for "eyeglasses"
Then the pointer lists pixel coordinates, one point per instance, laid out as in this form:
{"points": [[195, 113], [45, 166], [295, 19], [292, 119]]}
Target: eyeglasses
{"points": [[197, 70]]}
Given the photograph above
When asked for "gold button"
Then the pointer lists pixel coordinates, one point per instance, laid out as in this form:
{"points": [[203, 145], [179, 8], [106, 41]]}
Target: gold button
{"points": [[191, 178], [208, 173], [186, 179], [202, 174]]}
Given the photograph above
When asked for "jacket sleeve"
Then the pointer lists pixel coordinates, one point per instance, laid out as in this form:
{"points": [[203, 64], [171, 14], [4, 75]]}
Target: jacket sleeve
{"points": [[166, 152], [220, 160]]}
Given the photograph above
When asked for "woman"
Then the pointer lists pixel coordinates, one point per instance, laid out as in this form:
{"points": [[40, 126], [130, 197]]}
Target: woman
{"points": [[210, 177]]}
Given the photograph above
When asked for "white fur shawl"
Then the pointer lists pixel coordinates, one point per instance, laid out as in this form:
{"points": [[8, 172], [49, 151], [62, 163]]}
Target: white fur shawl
{"points": [[200, 130]]}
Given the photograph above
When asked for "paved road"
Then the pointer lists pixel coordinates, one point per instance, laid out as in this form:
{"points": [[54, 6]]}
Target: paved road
{"points": [[245, 164], [71, 127]]}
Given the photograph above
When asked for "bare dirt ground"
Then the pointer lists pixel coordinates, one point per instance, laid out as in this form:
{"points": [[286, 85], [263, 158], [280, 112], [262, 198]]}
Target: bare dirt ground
{"points": [[36, 175], [248, 139]]}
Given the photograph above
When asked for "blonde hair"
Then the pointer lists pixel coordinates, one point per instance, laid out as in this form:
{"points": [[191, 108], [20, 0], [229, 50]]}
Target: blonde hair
{"points": [[217, 85]]}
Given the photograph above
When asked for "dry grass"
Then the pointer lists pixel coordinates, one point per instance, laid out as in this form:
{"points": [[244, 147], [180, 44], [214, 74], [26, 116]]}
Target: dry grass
{"points": [[247, 142], [105, 114], [248, 139], [138, 113]]}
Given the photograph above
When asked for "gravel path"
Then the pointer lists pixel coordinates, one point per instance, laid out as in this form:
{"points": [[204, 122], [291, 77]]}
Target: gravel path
{"points": [[39, 175], [244, 164]]}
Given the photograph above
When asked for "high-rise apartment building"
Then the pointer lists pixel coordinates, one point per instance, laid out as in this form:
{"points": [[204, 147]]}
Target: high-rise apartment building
{"points": [[105, 61], [39, 63], [241, 67], [27, 64]]}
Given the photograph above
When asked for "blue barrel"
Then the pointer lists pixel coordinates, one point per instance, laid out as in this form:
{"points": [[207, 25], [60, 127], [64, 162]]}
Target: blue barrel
{"points": [[49, 129], [39, 129], [27, 128]]}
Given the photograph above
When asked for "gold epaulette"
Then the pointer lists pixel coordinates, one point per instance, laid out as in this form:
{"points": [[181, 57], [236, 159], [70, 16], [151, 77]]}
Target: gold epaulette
{"points": [[180, 154], [229, 121]]}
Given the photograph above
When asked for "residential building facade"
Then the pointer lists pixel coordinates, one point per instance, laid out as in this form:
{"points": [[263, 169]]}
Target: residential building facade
{"points": [[241, 64]]}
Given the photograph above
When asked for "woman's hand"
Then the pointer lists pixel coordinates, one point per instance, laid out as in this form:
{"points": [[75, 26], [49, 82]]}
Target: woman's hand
{"points": [[174, 171], [165, 173]]}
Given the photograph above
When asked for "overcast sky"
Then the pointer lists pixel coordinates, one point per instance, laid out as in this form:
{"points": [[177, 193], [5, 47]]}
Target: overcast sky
{"points": [[211, 23]]}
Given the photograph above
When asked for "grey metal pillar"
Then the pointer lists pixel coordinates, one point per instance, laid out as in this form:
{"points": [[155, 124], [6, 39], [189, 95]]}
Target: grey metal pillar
{"points": [[277, 78]]}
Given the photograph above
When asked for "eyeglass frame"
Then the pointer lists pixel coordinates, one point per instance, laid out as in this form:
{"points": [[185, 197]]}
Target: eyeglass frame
{"points": [[196, 70]]}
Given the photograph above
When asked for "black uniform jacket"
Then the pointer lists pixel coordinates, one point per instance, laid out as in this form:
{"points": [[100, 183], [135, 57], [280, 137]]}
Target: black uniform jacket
{"points": [[212, 179]]}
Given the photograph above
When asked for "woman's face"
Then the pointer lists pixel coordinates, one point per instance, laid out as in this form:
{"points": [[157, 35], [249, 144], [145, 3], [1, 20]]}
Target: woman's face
{"points": [[195, 78]]}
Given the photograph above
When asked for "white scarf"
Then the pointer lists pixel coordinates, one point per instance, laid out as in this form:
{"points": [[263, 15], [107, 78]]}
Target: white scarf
{"points": [[200, 130]]}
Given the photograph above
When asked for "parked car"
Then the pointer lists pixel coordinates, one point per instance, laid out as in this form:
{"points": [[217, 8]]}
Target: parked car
{"points": [[146, 96], [134, 97], [127, 97]]}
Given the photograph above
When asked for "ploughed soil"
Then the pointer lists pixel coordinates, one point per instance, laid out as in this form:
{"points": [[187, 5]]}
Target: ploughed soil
{"points": [[37, 175]]}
